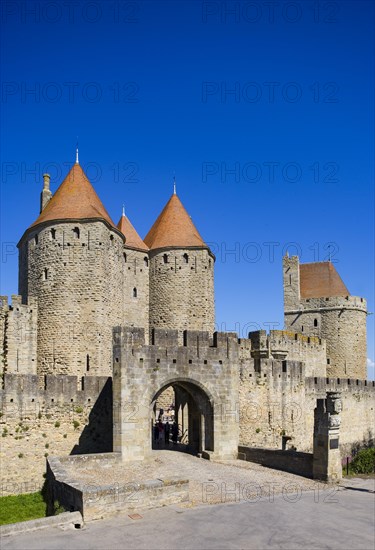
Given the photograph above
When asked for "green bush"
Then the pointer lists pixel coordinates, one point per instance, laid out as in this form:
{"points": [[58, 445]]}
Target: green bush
{"points": [[57, 424], [364, 462]]}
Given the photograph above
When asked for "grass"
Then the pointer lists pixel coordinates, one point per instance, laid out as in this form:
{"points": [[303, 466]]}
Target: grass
{"points": [[22, 508]]}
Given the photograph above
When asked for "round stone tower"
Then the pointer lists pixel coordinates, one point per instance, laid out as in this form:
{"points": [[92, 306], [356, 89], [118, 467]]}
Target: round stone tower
{"points": [[135, 277], [69, 259], [181, 273], [317, 303]]}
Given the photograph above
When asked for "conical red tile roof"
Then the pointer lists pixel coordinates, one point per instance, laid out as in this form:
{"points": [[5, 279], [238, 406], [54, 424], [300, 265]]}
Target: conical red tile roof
{"points": [[320, 280], [75, 199], [173, 228], [132, 239]]}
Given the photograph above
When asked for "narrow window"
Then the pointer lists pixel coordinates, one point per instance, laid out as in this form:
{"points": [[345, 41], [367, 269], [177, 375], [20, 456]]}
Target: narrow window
{"points": [[315, 322], [166, 258], [328, 361], [135, 293], [76, 232], [45, 274], [209, 263], [125, 258], [145, 259], [186, 258], [87, 363], [302, 328], [111, 239], [53, 234], [36, 239], [290, 279]]}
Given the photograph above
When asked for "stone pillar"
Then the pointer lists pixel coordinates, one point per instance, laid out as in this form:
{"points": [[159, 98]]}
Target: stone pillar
{"points": [[327, 460]]}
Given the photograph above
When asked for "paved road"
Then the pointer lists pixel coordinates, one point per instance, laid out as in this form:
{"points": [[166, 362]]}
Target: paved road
{"points": [[342, 520]]}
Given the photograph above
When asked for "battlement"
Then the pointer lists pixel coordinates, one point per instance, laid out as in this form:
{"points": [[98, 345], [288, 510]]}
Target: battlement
{"points": [[17, 304], [58, 389], [197, 345], [282, 344], [321, 385], [276, 369], [333, 302], [18, 334]]}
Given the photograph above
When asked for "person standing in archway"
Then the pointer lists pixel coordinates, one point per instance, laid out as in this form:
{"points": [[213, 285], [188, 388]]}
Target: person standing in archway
{"points": [[174, 433], [166, 432], [156, 432]]}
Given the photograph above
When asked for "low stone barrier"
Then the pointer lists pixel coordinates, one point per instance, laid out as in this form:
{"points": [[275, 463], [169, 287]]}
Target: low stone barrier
{"points": [[74, 519], [288, 461], [99, 501]]}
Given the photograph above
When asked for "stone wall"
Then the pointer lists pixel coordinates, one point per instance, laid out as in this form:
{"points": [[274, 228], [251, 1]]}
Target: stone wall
{"points": [[67, 417], [282, 344], [96, 501], [182, 290], [74, 270], [277, 403], [205, 368], [18, 335], [287, 461]]}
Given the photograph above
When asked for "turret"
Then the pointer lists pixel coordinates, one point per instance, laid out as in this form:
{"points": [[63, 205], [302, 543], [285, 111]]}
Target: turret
{"points": [[46, 194], [134, 271], [181, 272], [69, 260], [317, 303]]}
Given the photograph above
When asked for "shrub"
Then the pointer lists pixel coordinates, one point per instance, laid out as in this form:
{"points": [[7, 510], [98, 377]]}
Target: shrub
{"points": [[75, 424], [57, 424], [257, 430], [364, 462], [46, 445], [65, 436], [78, 410], [20, 455]]}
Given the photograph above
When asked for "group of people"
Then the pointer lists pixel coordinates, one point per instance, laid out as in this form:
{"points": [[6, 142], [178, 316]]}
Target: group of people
{"points": [[165, 430]]}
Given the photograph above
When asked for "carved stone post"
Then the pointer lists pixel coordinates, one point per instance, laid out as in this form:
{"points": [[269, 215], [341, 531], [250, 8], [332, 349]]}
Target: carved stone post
{"points": [[327, 460]]}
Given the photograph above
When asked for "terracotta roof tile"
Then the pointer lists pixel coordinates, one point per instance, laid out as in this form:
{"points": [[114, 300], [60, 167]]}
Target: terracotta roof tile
{"points": [[320, 280], [132, 238], [173, 227], [74, 199]]}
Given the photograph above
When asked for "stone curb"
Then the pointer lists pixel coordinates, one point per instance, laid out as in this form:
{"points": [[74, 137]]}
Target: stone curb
{"points": [[66, 518]]}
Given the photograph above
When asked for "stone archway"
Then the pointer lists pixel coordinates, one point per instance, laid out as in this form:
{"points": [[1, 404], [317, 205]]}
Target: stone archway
{"points": [[193, 415], [205, 373]]}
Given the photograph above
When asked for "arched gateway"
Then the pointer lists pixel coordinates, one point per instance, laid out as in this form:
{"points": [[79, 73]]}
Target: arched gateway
{"points": [[192, 414], [203, 373]]}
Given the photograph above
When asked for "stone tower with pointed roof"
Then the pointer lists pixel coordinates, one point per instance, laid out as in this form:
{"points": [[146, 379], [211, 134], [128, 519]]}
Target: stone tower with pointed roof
{"points": [[134, 267], [70, 259], [317, 303], [181, 272]]}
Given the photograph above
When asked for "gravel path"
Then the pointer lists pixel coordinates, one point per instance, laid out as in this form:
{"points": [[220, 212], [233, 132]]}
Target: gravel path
{"points": [[210, 482]]}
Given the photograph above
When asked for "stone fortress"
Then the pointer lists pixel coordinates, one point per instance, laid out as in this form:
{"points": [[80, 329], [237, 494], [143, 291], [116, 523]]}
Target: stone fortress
{"points": [[107, 326]]}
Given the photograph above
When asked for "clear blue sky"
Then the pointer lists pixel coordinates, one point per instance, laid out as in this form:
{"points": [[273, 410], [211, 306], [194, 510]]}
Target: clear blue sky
{"points": [[265, 115]]}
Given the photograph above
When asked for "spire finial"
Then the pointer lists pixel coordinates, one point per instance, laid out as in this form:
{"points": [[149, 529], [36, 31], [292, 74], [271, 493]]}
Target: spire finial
{"points": [[77, 160], [123, 209], [174, 184]]}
